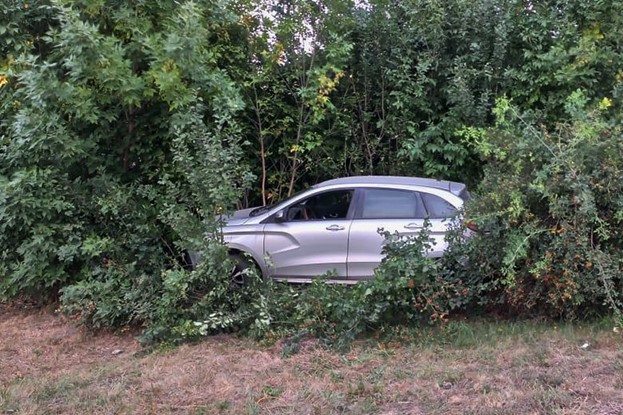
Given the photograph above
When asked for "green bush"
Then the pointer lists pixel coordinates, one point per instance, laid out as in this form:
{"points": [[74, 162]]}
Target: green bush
{"points": [[119, 146], [551, 203]]}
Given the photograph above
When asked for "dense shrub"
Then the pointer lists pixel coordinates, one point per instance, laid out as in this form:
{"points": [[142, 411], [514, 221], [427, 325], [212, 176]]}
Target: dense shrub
{"points": [[551, 204], [119, 147]]}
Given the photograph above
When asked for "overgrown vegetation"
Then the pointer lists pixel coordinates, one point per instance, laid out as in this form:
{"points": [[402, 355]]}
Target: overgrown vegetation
{"points": [[558, 227], [128, 127]]}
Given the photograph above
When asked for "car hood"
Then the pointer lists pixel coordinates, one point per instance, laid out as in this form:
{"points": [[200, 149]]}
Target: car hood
{"points": [[238, 217], [241, 214]]}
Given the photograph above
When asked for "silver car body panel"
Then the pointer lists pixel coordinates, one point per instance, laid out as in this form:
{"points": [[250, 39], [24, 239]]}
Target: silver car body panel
{"points": [[349, 247], [307, 249]]}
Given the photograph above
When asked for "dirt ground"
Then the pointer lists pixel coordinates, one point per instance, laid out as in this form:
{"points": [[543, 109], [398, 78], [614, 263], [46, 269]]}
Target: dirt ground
{"points": [[48, 366]]}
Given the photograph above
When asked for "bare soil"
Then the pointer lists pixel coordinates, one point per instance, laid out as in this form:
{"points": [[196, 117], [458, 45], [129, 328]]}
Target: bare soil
{"points": [[48, 366]]}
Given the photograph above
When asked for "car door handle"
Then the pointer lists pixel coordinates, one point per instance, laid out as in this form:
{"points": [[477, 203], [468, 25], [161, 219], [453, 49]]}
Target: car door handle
{"points": [[335, 228], [413, 226]]}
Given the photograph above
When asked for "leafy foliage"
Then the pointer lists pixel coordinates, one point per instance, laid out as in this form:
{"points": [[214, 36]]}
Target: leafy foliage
{"points": [[121, 145], [559, 226], [407, 289], [128, 128]]}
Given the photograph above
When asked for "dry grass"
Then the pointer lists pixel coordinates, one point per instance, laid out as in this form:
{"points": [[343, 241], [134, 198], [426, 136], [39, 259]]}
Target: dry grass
{"points": [[47, 366]]}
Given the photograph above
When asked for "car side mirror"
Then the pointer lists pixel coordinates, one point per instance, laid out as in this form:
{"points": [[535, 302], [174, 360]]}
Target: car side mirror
{"points": [[280, 216]]}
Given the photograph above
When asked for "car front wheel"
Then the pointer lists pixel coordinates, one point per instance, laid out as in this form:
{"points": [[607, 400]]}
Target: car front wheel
{"points": [[239, 274]]}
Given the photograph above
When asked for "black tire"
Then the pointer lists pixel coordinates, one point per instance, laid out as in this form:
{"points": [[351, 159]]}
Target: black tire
{"points": [[239, 273]]}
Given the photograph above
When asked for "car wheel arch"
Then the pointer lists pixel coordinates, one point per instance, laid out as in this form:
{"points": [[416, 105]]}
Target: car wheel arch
{"points": [[232, 251]]}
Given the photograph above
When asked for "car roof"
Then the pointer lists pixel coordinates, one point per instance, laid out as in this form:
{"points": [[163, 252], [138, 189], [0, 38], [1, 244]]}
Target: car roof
{"points": [[454, 187]]}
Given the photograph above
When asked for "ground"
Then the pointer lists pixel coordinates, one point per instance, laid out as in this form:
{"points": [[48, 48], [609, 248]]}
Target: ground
{"points": [[49, 366]]}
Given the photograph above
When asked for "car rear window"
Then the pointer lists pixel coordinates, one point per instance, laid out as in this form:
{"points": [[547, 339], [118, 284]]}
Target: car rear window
{"points": [[391, 204], [465, 195], [437, 207]]}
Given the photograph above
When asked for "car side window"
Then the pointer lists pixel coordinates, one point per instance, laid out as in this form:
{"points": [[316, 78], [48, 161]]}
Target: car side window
{"points": [[326, 205], [392, 204], [437, 207]]}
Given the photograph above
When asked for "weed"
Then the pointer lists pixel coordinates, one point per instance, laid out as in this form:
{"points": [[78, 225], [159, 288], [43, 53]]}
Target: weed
{"points": [[551, 380], [7, 404], [224, 405], [401, 374], [271, 391], [252, 408], [550, 400], [377, 374], [336, 376]]}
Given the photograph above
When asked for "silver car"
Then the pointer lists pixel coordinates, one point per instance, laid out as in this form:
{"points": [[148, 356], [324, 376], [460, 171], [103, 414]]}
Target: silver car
{"points": [[334, 226]]}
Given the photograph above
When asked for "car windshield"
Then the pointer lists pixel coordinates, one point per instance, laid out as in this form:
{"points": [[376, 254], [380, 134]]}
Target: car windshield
{"points": [[263, 209]]}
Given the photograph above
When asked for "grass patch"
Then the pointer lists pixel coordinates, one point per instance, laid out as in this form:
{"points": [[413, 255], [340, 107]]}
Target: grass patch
{"points": [[467, 367]]}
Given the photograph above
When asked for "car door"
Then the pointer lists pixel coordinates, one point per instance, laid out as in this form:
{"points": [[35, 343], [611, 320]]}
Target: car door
{"points": [[312, 238], [392, 210]]}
